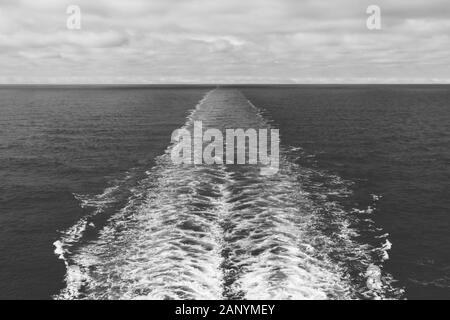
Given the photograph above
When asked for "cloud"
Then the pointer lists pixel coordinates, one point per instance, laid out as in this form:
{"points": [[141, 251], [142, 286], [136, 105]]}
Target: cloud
{"points": [[60, 39], [224, 41]]}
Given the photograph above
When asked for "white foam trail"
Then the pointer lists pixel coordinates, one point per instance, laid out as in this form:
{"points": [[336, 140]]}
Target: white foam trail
{"points": [[213, 232]]}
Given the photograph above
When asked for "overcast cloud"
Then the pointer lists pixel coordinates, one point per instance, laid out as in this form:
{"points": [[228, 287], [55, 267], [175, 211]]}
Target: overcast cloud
{"points": [[224, 41]]}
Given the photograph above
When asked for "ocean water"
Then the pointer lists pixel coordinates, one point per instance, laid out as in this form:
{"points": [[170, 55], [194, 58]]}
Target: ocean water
{"points": [[91, 206]]}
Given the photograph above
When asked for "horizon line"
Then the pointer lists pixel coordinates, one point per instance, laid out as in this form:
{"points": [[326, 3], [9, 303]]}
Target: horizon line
{"points": [[223, 84]]}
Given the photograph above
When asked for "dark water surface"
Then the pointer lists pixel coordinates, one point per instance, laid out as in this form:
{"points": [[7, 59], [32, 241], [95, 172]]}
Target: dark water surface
{"points": [[59, 142], [390, 141], [363, 168]]}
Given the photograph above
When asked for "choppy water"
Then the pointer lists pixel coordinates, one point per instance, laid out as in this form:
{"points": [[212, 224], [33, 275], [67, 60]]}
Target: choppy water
{"points": [[223, 231], [149, 229]]}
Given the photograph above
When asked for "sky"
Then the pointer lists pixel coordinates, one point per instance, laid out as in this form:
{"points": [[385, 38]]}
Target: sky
{"points": [[224, 41]]}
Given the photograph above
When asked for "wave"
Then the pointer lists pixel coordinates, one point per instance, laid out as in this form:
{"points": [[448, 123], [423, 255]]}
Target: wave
{"points": [[226, 231]]}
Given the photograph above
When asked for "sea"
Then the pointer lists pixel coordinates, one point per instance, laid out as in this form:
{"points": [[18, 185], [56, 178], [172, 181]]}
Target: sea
{"points": [[92, 207]]}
